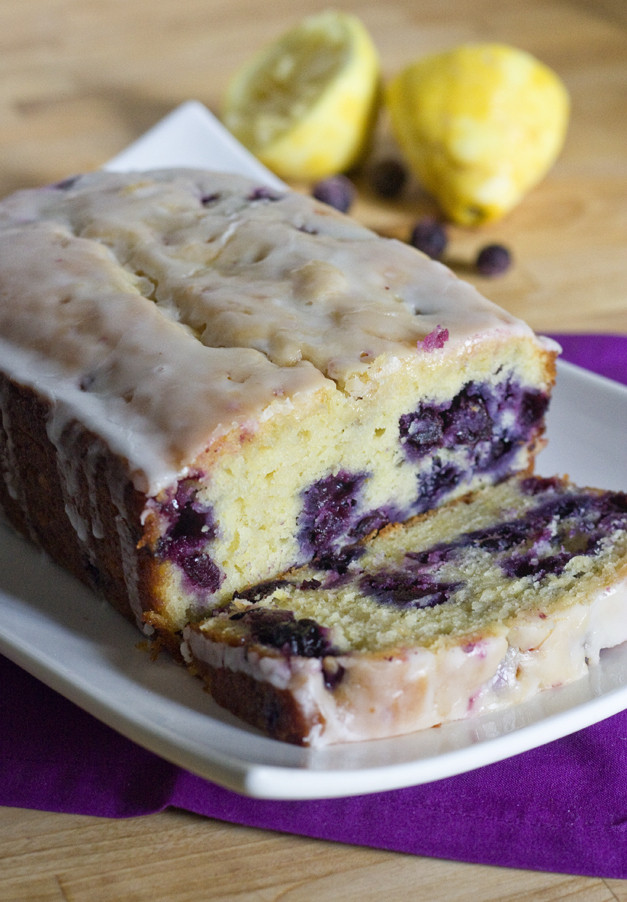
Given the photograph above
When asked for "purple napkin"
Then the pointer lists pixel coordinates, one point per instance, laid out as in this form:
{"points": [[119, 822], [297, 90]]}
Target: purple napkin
{"points": [[603, 354], [560, 808]]}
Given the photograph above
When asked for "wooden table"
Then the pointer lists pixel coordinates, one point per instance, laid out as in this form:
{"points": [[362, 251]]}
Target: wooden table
{"points": [[79, 79]]}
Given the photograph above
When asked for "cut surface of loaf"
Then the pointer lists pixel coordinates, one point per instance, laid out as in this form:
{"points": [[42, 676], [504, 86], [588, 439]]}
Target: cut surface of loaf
{"points": [[205, 382], [461, 611]]}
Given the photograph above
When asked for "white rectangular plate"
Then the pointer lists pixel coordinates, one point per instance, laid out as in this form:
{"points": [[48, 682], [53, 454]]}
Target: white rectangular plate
{"points": [[57, 630]]}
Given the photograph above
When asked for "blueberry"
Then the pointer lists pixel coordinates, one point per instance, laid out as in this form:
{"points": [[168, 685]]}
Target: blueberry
{"points": [[406, 589], [279, 629], [613, 511], [534, 485], [468, 421], [493, 260], [194, 525], [191, 527], [202, 571], [338, 559], [308, 585], [483, 426], [388, 177], [374, 520], [519, 566], [328, 509], [495, 457], [337, 191], [533, 406], [435, 483], [263, 192], [261, 590], [500, 537], [562, 526], [421, 432], [537, 544], [429, 236], [432, 557]]}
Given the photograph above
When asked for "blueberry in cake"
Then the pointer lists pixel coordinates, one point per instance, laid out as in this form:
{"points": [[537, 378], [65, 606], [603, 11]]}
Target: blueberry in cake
{"points": [[458, 612], [205, 382]]}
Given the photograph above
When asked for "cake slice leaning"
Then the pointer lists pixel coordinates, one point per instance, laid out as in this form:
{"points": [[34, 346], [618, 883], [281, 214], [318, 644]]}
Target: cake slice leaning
{"points": [[204, 383], [465, 610]]}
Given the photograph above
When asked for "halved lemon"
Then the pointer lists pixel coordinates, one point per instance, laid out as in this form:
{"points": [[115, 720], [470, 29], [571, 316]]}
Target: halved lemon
{"points": [[305, 105], [480, 125]]}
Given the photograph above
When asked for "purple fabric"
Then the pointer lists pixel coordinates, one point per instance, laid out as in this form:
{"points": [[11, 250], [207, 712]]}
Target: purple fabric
{"points": [[603, 354], [561, 808]]}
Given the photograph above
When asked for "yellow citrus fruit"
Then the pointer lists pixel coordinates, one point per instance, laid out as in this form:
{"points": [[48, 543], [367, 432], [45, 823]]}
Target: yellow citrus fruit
{"points": [[305, 105], [480, 125]]}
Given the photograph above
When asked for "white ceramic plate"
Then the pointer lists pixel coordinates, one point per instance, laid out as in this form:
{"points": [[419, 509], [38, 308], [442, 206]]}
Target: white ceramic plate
{"points": [[58, 631]]}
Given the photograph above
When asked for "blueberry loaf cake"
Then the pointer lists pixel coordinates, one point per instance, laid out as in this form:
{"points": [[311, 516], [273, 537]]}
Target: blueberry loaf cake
{"points": [[204, 383], [458, 612]]}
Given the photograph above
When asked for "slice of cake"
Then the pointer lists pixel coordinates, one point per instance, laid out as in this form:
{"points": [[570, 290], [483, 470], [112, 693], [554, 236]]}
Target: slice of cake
{"points": [[204, 382], [461, 611]]}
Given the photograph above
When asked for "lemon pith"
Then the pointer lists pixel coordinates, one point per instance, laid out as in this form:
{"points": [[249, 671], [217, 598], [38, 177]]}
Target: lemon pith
{"points": [[305, 104], [480, 125]]}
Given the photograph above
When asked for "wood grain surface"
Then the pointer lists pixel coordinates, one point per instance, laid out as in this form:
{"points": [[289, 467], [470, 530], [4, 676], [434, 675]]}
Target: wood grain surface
{"points": [[79, 80]]}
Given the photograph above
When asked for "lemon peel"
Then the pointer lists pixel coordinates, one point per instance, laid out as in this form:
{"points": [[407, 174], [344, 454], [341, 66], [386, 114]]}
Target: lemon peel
{"points": [[306, 104], [479, 125]]}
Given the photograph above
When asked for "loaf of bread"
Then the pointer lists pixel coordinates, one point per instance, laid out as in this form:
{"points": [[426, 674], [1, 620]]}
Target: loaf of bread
{"points": [[461, 611], [205, 383]]}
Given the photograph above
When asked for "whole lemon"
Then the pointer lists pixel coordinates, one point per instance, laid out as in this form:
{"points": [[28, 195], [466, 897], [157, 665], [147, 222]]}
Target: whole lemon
{"points": [[306, 103], [480, 125]]}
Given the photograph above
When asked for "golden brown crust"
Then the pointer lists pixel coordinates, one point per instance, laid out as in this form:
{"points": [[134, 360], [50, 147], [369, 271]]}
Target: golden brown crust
{"points": [[37, 506], [273, 711]]}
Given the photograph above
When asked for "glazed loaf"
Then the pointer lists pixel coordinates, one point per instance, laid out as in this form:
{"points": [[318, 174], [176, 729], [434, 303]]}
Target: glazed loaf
{"points": [[462, 611], [205, 382]]}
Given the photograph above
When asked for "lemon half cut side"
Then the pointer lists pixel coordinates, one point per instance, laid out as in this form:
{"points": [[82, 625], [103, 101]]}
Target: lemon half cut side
{"points": [[480, 125], [305, 104]]}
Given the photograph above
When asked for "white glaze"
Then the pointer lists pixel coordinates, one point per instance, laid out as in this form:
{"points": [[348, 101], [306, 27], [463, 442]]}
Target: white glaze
{"points": [[416, 688], [161, 323]]}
